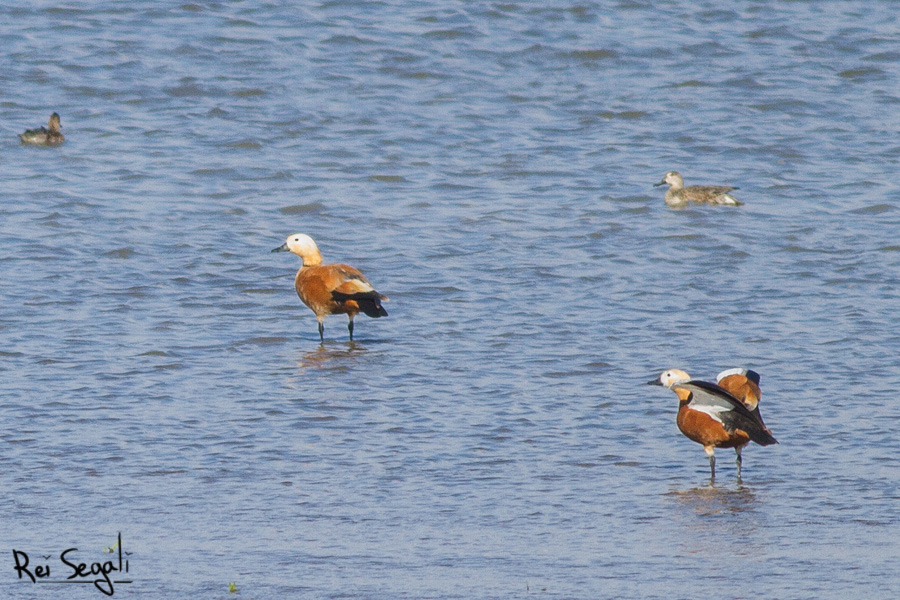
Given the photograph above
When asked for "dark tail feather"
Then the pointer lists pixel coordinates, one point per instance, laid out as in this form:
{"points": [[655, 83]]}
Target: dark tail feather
{"points": [[764, 438], [369, 302]]}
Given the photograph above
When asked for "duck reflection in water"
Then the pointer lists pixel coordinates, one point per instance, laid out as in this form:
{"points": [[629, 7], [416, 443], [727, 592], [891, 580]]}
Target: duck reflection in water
{"points": [[712, 500], [331, 357], [705, 516]]}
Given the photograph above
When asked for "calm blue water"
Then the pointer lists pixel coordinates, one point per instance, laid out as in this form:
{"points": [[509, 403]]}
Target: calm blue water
{"points": [[490, 168]]}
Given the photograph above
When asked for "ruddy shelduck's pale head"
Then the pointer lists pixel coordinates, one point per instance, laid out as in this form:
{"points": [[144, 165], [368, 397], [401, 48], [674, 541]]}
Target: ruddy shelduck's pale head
{"points": [[670, 378], [303, 246]]}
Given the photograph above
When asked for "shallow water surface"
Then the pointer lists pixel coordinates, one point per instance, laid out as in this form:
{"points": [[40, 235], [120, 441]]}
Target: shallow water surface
{"points": [[490, 168]]}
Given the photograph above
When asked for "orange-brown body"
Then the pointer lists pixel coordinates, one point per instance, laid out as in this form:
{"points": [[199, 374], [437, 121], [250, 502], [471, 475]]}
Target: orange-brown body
{"points": [[703, 429], [315, 286]]}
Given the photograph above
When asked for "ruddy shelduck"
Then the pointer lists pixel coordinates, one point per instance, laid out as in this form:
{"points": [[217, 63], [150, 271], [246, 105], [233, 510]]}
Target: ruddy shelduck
{"points": [[331, 289], [678, 196], [45, 136], [714, 417]]}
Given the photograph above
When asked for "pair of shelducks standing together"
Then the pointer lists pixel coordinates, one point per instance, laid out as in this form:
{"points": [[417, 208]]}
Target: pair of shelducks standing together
{"points": [[716, 415]]}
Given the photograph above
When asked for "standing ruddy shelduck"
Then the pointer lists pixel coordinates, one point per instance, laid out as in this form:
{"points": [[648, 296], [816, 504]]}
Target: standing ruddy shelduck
{"points": [[713, 417], [678, 196], [45, 136], [331, 289]]}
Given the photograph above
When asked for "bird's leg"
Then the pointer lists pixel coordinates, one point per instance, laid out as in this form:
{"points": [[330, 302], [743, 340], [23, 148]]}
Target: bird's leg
{"points": [[322, 331], [710, 452], [737, 449], [350, 327]]}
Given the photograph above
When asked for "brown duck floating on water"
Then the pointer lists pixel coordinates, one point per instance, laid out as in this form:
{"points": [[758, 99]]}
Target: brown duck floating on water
{"points": [[678, 196], [45, 136]]}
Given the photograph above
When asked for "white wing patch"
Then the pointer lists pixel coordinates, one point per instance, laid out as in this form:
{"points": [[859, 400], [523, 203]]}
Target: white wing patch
{"points": [[712, 410], [727, 372]]}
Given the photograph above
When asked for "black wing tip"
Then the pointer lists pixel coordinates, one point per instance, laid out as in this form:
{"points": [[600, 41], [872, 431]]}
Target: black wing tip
{"points": [[369, 302], [760, 435], [377, 312]]}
